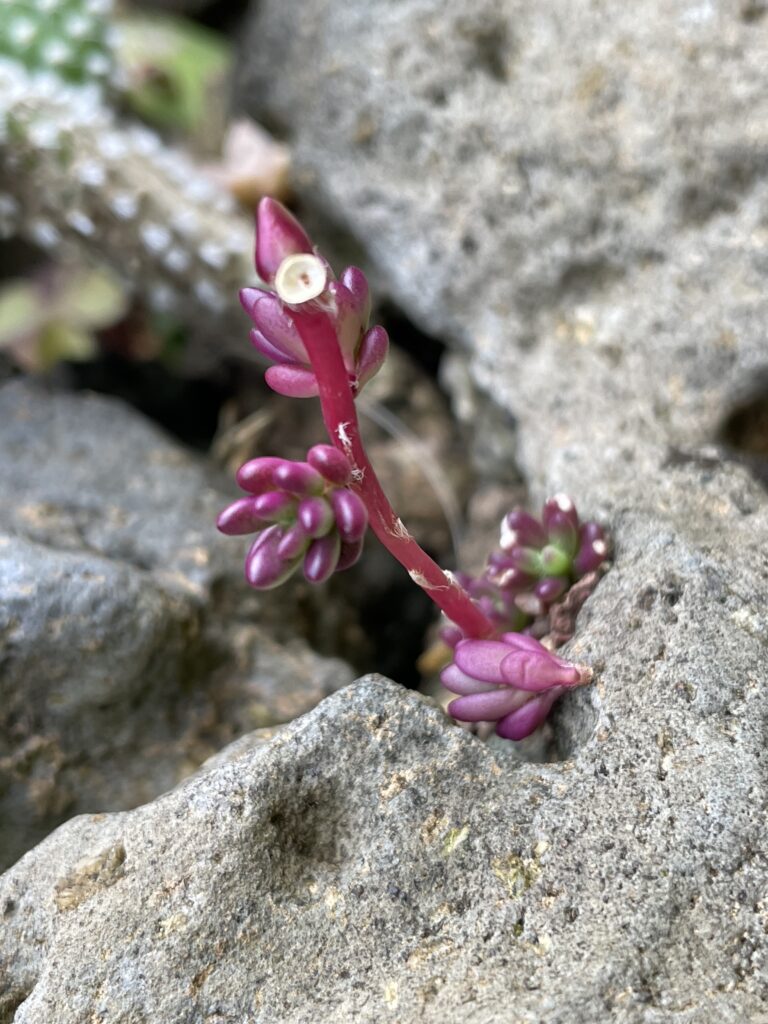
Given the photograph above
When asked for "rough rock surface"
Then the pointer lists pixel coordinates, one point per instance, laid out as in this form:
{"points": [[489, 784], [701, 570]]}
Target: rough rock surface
{"points": [[577, 199], [603, 171], [376, 863], [525, 178], [130, 647]]}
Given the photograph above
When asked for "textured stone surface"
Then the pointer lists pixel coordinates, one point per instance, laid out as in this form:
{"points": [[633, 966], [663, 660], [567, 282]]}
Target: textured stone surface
{"points": [[506, 166], [130, 647], [373, 862], [576, 198]]}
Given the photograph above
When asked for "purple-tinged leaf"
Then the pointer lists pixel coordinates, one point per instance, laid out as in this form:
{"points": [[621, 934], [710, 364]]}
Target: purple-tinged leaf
{"points": [[549, 589], [350, 553], [292, 380], [488, 706], [329, 461], [268, 350], [275, 506], [557, 511], [350, 514], [257, 475], [278, 234], [371, 354], [315, 516], [276, 325], [299, 478], [525, 720], [264, 568], [294, 543], [519, 528], [322, 558], [456, 681], [356, 283], [239, 518], [482, 659]]}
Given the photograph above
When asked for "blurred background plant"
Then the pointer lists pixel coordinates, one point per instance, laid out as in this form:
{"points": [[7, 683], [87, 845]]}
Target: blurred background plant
{"points": [[52, 315], [126, 186]]}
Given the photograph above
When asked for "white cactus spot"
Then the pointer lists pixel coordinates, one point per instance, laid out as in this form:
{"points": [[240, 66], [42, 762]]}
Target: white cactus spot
{"points": [[21, 32], [92, 174], [145, 142], [185, 222], [45, 134], [9, 206], [44, 234], [210, 295], [214, 255], [112, 146], [81, 223], [97, 64], [177, 260], [162, 297], [200, 190], [156, 237], [124, 205], [56, 52], [77, 26], [300, 278]]}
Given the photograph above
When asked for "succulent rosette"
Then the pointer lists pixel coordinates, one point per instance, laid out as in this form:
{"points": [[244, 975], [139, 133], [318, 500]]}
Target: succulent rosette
{"points": [[538, 561], [512, 681], [302, 513], [287, 262]]}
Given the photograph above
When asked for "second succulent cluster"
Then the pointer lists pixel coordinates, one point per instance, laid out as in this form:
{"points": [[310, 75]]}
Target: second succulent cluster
{"points": [[302, 513]]}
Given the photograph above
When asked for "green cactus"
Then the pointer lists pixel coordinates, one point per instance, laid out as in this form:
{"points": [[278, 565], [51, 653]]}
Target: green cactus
{"points": [[69, 38]]}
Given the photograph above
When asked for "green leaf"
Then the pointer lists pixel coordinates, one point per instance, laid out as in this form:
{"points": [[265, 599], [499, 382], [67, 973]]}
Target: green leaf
{"points": [[175, 70], [58, 341], [90, 299], [21, 313]]}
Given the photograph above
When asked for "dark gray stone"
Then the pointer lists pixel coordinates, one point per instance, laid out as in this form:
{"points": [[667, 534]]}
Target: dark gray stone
{"points": [[130, 646]]}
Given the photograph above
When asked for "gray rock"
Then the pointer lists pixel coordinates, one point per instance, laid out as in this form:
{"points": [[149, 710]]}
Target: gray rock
{"points": [[375, 863], [526, 172], [130, 646], [575, 199]]}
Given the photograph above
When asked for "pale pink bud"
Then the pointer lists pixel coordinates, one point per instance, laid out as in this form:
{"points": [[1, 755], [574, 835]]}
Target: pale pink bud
{"points": [[278, 235]]}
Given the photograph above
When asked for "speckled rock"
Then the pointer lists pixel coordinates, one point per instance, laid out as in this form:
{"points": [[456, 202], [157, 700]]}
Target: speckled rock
{"points": [[575, 200], [523, 170], [376, 863], [130, 647]]}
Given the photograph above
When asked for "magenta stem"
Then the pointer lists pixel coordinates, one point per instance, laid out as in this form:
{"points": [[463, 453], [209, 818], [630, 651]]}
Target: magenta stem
{"points": [[340, 417]]}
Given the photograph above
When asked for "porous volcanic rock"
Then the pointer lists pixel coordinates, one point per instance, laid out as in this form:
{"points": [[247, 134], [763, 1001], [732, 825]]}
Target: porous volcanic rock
{"points": [[575, 201], [376, 863]]}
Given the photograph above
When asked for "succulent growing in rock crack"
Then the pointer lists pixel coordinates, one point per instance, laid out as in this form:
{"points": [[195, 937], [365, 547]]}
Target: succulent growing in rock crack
{"points": [[513, 681], [536, 565], [314, 328]]}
